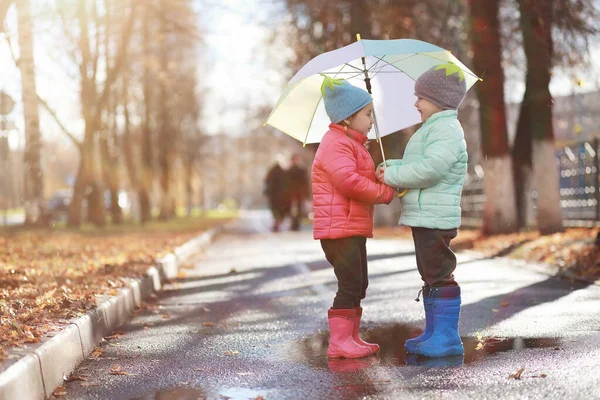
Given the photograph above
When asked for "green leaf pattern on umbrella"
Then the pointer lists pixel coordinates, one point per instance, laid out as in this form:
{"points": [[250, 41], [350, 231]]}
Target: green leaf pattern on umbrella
{"points": [[330, 83], [452, 68]]}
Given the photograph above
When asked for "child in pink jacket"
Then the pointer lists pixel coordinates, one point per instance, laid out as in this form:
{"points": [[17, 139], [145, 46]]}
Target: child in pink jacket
{"points": [[344, 194]]}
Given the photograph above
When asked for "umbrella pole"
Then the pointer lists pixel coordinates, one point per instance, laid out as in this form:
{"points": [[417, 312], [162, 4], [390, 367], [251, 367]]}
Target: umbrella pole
{"points": [[378, 137], [368, 85]]}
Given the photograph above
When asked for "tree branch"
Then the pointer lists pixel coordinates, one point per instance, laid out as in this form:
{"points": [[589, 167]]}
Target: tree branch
{"points": [[64, 129], [112, 74]]}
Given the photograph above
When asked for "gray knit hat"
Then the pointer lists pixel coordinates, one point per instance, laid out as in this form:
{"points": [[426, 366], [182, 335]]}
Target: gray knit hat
{"points": [[444, 85]]}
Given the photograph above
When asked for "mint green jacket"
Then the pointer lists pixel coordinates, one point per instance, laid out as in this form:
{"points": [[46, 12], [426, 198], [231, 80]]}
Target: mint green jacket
{"points": [[434, 168]]}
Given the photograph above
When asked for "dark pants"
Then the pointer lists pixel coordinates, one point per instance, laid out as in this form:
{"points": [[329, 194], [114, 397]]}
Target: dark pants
{"points": [[436, 262], [297, 211], [348, 256]]}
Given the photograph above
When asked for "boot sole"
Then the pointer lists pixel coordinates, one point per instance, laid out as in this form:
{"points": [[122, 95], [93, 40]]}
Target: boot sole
{"points": [[455, 350], [411, 344], [339, 354]]}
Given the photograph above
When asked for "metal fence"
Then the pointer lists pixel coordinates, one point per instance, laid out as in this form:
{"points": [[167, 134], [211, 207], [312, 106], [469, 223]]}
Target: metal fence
{"points": [[578, 166]]}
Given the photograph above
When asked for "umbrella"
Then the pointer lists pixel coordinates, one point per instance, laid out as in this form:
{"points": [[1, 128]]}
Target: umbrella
{"points": [[388, 68]]}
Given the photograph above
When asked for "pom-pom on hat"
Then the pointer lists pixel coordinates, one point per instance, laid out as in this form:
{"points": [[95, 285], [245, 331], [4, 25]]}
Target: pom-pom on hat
{"points": [[342, 99], [444, 85]]}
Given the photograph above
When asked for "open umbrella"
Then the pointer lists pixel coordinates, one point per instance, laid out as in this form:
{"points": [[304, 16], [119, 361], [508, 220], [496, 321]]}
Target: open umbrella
{"points": [[388, 69]]}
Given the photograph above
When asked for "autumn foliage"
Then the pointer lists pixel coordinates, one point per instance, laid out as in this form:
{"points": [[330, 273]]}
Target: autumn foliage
{"points": [[574, 251], [49, 277]]}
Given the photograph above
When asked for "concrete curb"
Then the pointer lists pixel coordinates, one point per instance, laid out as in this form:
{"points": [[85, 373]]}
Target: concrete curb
{"points": [[37, 374]]}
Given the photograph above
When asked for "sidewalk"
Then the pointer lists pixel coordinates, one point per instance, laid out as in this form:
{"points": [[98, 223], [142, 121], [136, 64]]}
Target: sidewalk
{"points": [[250, 321], [35, 371]]}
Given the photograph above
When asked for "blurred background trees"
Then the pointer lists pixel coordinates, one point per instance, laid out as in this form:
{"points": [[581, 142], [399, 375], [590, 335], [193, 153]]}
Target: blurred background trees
{"points": [[140, 69]]}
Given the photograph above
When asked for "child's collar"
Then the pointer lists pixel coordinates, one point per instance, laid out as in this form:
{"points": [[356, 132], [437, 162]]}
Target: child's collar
{"points": [[359, 137], [442, 114]]}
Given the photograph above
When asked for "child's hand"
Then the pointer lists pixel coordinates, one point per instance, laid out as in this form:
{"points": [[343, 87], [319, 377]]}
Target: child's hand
{"points": [[379, 174]]}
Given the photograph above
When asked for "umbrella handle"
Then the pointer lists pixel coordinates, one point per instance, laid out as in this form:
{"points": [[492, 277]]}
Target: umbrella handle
{"points": [[401, 193]]}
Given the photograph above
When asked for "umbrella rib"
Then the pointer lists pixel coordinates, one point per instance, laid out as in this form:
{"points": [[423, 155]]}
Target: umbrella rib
{"points": [[352, 66], [374, 65]]}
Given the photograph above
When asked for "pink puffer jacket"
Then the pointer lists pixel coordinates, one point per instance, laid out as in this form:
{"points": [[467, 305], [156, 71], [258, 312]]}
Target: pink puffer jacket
{"points": [[344, 186]]}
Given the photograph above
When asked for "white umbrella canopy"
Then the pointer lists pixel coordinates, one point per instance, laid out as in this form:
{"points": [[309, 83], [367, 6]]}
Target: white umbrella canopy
{"points": [[392, 67]]}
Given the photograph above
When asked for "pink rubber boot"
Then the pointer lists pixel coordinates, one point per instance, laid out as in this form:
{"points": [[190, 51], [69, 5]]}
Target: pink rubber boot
{"points": [[373, 346], [341, 343]]}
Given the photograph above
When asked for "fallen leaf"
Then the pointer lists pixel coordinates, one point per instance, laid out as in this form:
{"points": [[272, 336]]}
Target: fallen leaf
{"points": [[59, 391], [517, 375], [116, 370], [233, 270], [479, 346], [539, 376], [98, 352], [232, 353], [115, 335], [209, 324], [74, 377], [504, 304]]}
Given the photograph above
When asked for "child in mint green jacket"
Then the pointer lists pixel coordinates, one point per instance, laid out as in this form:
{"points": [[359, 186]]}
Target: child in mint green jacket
{"points": [[434, 168]]}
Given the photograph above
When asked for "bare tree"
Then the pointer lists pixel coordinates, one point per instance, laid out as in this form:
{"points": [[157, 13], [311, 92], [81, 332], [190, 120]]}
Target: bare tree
{"points": [[568, 26], [87, 53], [33, 199], [536, 25], [500, 214]]}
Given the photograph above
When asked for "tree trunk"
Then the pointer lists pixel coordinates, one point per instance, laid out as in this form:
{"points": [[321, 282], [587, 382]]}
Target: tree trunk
{"points": [[33, 197], [147, 173], [82, 183], [536, 25], [110, 169], [189, 187], [165, 131], [128, 153], [109, 140], [522, 161], [4, 6], [500, 214]]}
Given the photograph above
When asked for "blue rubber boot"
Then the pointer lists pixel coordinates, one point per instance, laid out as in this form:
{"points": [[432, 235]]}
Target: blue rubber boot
{"points": [[411, 344], [444, 341]]}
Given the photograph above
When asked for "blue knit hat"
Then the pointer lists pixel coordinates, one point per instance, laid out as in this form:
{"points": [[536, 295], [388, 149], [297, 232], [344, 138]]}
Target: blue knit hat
{"points": [[342, 99]]}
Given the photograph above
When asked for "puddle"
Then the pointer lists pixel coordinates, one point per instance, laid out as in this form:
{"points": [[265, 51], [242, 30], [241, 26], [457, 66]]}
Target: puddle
{"points": [[186, 393], [177, 393], [313, 350]]}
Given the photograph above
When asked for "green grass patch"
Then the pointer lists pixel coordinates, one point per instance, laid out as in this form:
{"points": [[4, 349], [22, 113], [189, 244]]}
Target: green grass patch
{"points": [[198, 221]]}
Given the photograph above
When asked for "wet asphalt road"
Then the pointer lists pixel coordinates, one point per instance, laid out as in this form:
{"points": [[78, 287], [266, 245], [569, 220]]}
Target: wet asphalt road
{"points": [[249, 320]]}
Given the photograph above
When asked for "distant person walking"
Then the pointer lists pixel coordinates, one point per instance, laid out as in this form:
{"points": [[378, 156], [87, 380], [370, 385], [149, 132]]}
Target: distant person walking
{"points": [[298, 190], [276, 190]]}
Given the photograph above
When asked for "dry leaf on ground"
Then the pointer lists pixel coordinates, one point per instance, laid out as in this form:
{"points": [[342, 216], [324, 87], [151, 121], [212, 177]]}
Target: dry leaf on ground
{"points": [[517, 375]]}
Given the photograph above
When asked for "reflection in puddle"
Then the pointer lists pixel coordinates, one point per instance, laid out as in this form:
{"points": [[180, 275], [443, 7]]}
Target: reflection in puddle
{"points": [[177, 393], [313, 349], [185, 393]]}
